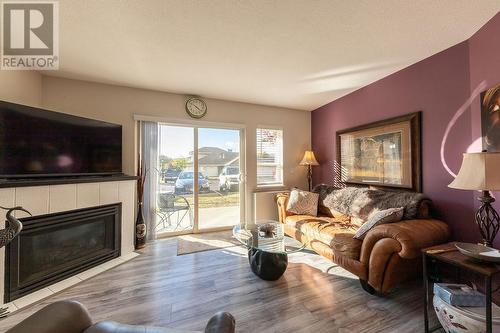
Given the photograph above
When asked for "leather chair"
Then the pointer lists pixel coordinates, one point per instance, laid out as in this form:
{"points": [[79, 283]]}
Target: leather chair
{"points": [[72, 317]]}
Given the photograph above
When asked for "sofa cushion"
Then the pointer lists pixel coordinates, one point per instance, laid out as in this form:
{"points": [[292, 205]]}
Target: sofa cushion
{"points": [[325, 211], [334, 232], [296, 220], [303, 202]]}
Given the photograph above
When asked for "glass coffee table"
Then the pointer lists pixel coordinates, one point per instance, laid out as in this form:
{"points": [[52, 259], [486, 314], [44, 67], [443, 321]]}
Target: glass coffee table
{"points": [[267, 254]]}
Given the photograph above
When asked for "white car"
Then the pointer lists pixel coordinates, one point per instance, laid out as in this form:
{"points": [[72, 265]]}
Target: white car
{"points": [[229, 179]]}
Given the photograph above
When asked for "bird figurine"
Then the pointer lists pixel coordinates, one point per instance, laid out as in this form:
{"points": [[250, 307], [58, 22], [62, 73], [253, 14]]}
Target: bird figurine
{"points": [[13, 228]]}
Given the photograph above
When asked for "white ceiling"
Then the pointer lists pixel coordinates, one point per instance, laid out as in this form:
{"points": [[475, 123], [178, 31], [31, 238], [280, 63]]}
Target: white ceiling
{"points": [[291, 53]]}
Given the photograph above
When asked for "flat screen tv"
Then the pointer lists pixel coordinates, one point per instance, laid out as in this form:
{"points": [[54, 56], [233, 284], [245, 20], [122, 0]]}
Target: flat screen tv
{"points": [[41, 143]]}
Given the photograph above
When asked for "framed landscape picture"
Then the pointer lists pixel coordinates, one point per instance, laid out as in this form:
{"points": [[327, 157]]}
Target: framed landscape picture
{"points": [[384, 153], [490, 118]]}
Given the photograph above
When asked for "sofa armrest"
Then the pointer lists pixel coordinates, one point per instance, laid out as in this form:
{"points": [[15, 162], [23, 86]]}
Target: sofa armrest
{"points": [[221, 322], [410, 236], [282, 202], [58, 317]]}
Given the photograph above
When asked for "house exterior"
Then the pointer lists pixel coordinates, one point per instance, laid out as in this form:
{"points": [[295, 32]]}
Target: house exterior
{"points": [[211, 160]]}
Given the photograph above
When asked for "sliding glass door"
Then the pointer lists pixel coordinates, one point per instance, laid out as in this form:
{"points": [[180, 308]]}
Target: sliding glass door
{"points": [[219, 166], [175, 198], [200, 179]]}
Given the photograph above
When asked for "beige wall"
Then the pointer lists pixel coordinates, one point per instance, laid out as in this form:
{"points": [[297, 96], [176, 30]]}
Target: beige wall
{"points": [[23, 87], [118, 105]]}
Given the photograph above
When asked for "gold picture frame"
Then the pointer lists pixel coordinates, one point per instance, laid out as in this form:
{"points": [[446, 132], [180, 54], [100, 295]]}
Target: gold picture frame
{"points": [[490, 119], [384, 153]]}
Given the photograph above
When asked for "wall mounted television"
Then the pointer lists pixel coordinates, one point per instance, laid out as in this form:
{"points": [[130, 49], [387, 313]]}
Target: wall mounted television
{"points": [[41, 143]]}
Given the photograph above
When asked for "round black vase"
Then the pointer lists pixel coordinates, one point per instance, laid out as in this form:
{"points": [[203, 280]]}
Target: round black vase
{"points": [[140, 229], [267, 265]]}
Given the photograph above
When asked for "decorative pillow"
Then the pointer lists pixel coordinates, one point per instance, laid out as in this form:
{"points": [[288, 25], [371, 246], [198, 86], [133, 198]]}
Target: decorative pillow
{"points": [[380, 217], [303, 202]]}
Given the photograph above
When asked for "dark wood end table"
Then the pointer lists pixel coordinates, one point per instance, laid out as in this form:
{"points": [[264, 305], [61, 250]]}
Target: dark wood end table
{"points": [[448, 254]]}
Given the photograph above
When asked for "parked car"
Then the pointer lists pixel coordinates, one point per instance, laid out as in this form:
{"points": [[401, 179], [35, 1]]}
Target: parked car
{"points": [[171, 174], [185, 182], [229, 179]]}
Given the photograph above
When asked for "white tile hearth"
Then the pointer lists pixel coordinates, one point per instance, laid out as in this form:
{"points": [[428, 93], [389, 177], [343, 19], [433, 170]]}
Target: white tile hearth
{"points": [[87, 195], [7, 197], [61, 285], [32, 298], [64, 284], [126, 196], [112, 263], [90, 272], [129, 256], [55, 198], [9, 306], [62, 198], [108, 193], [35, 199]]}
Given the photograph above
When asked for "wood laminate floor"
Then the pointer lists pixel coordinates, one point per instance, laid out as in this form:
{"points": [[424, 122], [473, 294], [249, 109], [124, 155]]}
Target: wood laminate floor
{"points": [[162, 289]]}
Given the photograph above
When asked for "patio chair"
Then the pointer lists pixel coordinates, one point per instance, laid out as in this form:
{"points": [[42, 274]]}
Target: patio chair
{"points": [[172, 209]]}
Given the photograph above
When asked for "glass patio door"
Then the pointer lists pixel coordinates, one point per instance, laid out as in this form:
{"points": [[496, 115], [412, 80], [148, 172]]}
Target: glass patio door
{"points": [[199, 183], [220, 177], [175, 197]]}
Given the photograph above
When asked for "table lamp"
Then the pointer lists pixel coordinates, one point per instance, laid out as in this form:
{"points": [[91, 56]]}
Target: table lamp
{"points": [[309, 160], [480, 172]]}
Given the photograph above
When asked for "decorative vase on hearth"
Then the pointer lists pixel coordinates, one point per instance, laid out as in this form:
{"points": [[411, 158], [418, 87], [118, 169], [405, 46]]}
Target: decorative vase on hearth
{"points": [[140, 229], [140, 224]]}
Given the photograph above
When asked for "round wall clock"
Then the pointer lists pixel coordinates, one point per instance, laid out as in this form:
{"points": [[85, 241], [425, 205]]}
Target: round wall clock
{"points": [[196, 107]]}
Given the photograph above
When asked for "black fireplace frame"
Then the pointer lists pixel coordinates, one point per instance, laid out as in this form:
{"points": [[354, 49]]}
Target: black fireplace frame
{"points": [[14, 290]]}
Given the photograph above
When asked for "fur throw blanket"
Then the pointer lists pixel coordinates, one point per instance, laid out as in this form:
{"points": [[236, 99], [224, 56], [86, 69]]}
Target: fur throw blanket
{"points": [[360, 202]]}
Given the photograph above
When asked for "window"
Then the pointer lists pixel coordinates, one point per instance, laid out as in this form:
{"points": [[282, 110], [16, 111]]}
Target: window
{"points": [[269, 156]]}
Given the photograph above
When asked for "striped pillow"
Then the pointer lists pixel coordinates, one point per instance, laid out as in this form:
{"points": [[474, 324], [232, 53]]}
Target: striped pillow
{"points": [[380, 217]]}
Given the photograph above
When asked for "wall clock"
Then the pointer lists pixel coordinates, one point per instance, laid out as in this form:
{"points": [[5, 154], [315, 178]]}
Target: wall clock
{"points": [[196, 107]]}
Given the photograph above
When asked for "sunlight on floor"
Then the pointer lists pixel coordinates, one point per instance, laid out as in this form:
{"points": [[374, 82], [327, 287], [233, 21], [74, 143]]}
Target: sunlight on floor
{"points": [[315, 260], [305, 257], [237, 251], [211, 242]]}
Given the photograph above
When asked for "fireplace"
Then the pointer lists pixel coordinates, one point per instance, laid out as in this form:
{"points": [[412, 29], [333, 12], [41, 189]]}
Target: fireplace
{"points": [[53, 247]]}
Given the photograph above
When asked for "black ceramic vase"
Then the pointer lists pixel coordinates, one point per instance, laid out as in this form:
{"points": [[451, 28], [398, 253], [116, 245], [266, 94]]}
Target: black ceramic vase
{"points": [[140, 229], [267, 265]]}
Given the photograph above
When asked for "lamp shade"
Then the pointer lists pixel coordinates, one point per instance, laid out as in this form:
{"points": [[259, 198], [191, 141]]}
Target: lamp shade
{"points": [[309, 158], [479, 171]]}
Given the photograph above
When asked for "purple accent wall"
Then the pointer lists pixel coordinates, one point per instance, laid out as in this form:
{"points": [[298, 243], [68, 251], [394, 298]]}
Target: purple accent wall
{"points": [[438, 86], [484, 67]]}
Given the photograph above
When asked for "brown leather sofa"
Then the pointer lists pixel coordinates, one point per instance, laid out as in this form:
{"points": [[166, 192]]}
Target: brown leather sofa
{"points": [[72, 317], [388, 255]]}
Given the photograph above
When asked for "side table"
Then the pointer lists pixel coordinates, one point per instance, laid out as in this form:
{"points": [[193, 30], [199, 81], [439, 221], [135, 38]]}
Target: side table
{"points": [[447, 254], [268, 259]]}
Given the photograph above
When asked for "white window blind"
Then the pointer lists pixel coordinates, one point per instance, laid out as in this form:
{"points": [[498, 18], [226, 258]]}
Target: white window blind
{"points": [[269, 156]]}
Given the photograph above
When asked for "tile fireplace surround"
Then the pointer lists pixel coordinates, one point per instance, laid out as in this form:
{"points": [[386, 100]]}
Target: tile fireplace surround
{"points": [[47, 199]]}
